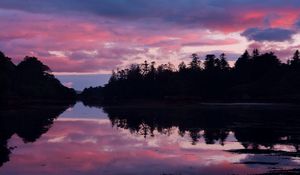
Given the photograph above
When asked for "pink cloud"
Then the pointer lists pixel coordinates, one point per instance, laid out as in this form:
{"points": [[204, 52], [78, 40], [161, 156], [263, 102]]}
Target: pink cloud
{"points": [[92, 43]]}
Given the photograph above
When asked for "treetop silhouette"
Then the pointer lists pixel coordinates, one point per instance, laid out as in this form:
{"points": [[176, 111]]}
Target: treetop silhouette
{"points": [[30, 79], [256, 77]]}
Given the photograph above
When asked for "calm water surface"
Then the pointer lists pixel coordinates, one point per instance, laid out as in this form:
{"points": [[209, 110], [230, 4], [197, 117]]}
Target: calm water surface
{"points": [[214, 139]]}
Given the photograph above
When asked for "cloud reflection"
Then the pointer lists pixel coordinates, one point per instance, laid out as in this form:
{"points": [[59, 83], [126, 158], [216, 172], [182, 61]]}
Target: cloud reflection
{"points": [[75, 146]]}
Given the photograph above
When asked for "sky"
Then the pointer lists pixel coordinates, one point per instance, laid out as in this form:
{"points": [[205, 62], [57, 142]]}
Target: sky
{"points": [[81, 81], [76, 37]]}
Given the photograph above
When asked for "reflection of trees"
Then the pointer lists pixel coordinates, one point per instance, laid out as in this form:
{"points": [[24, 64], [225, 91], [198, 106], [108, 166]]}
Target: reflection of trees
{"points": [[4, 151], [264, 126], [146, 121], [29, 123], [215, 134]]}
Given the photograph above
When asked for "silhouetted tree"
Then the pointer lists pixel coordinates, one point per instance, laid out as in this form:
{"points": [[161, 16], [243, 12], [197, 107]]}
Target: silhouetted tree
{"points": [[182, 67], [242, 63], [195, 63], [7, 69], [30, 79], [113, 78], [223, 62], [258, 77], [255, 53], [145, 68], [210, 62], [295, 62]]}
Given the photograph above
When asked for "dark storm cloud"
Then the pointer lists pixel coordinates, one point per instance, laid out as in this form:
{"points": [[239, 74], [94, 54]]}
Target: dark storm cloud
{"points": [[270, 34]]}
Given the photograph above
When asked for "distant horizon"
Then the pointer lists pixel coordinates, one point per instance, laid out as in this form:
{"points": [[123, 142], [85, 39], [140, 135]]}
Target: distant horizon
{"points": [[81, 81]]}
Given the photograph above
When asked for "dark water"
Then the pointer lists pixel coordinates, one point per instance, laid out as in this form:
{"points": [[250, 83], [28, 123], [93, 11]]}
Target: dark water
{"points": [[212, 139]]}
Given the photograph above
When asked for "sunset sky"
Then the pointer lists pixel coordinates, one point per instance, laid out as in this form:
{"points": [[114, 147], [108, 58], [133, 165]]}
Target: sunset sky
{"points": [[96, 36]]}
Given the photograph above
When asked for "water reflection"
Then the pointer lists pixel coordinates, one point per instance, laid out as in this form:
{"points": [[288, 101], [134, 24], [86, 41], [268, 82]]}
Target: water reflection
{"points": [[254, 127], [28, 123], [202, 140]]}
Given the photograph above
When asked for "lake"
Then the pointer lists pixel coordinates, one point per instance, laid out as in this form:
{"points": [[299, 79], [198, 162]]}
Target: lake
{"points": [[211, 139]]}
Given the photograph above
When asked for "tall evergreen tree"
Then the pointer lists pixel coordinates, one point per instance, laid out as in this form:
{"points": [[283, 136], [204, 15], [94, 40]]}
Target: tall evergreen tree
{"points": [[243, 61], [7, 69], [210, 62], [223, 62], [195, 63], [255, 53], [296, 59]]}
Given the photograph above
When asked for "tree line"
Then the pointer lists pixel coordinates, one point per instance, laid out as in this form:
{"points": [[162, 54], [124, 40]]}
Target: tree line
{"points": [[29, 80], [254, 77]]}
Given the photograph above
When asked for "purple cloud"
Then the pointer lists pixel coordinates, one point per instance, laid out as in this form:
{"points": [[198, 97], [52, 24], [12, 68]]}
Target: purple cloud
{"points": [[192, 13], [269, 34], [100, 35]]}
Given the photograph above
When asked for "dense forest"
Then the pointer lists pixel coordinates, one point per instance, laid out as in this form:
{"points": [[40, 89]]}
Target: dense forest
{"points": [[255, 77], [30, 80]]}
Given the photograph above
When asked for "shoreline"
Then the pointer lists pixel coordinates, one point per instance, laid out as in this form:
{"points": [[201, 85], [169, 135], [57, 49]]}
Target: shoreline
{"points": [[189, 104], [21, 103], [163, 103]]}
